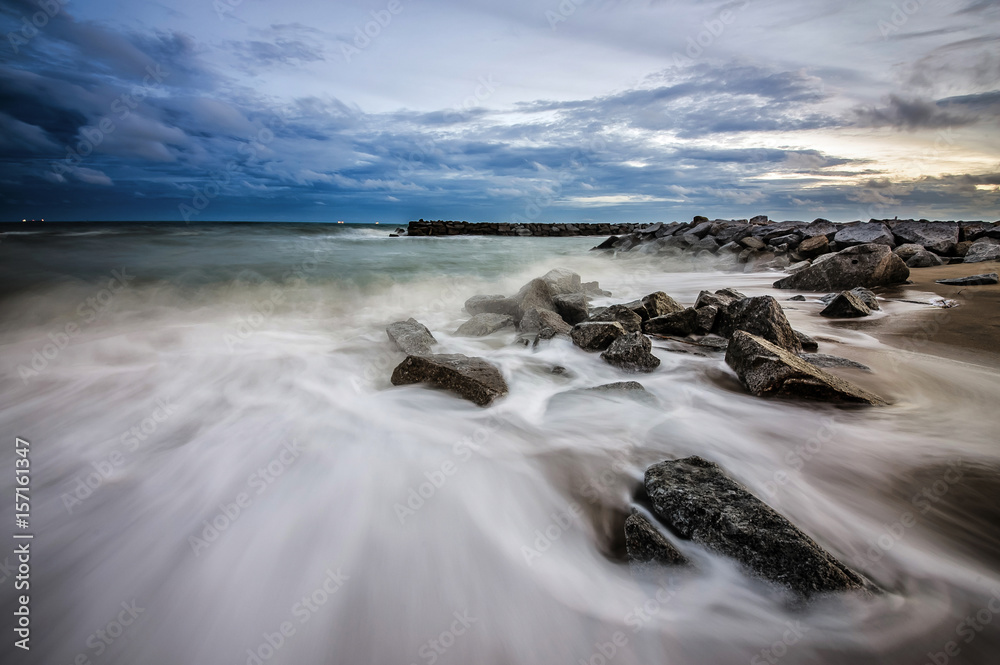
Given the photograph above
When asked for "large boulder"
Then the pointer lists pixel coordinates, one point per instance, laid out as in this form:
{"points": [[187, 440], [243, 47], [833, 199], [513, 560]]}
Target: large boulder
{"points": [[699, 502], [561, 281], [924, 259], [846, 304], [533, 295], [596, 335], [473, 378], [644, 544], [412, 337], [481, 325], [906, 251], [984, 249], [678, 324], [658, 304], [572, 307], [938, 237], [768, 370], [536, 320], [760, 316], [492, 304], [813, 247], [862, 265], [631, 352], [628, 319], [864, 234]]}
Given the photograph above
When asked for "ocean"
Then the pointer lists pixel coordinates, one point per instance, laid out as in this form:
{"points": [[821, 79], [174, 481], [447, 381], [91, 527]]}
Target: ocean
{"points": [[222, 471]]}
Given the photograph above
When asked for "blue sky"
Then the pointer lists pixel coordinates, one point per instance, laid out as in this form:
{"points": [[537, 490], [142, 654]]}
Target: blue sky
{"points": [[526, 110]]}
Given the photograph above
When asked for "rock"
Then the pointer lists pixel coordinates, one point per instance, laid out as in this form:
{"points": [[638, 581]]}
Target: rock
{"points": [[824, 360], [799, 298], [473, 378], [645, 544], [572, 307], [495, 304], [607, 244], [808, 343], [862, 265], [814, 246], [760, 316], [972, 280], [768, 370], [924, 259], [412, 337], [820, 227], [796, 267], [704, 319], [753, 243], [631, 353], [962, 248], [867, 297], [628, 319], [594, 289], [984, 249], [596, 335], [484, 324], [864, 234], [718, 300], [938, 237], [535, 320], [679, 324], [846, 305], [908, 250], [561, 282], [658, 304], [533, 295], [759, 220], [699, 502], [705, 244], [632, 390], [730, 293]]}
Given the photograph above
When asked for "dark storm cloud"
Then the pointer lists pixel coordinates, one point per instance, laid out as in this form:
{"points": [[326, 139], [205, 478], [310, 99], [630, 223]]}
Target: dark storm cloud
{"points": [[912, 114]]}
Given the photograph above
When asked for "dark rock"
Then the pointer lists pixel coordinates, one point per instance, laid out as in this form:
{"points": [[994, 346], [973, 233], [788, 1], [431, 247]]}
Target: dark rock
{"points": [[481, 325], [808, 343], [984, 249], [473, 378], [704, 319], [796, 267], [678, 324], [717, 300], [535, 320], [561, 282], [824, 360], [862, 265], [495, 304], [797, 299], [938, 237], [658, 304], [631, 352], [760, 316], [596, 335], [906, 251], [645, 544], [972, 280], [753, 243], [730, 293], [572, 307], [846, 305], [963, 247], [864, 234], [607, 244], [699, 502], [814, 246], [820, 227], [629, 320], [533, 295], [768, 370], [412, 337], [758, 220], [924, 259]]}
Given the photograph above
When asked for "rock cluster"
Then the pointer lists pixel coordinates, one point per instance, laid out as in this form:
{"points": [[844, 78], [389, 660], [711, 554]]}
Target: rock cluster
{"points": [[453, 228]]}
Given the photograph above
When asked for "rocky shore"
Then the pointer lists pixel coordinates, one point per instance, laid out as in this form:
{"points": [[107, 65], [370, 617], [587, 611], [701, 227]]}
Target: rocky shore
{"points": [[451, 228]]}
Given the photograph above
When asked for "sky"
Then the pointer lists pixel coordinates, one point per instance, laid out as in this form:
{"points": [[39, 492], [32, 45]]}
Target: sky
{"points": [[513, 111]]}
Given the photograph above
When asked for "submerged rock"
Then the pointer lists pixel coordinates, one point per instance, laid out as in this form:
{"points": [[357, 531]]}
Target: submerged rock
{"points": [[536, 320], [825, 360], [493, 304], [863, 265], [484, 324], [808, 343], [767, 370], [572, 307], [760, 316], [699, 502], [972, 280], [846, 304], [596, 335], [631, 352], [473, 378], [412, 337], [645, 544]]}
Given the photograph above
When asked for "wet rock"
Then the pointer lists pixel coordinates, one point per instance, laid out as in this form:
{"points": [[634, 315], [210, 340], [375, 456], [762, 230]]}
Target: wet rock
{"points": [[607, 244], [628, 319], [572, 307], [718, 300], [924, 259], [796, 267], [533, 295], [984, 249], [699, 502], [768, 370], [824, 360], [631, 353], [704, 319], [864, 234], [678, 324], [730, 293], [760, 316], [473, 378], [797, 298], [594, 289], [863, 265], [535, 320], [972, 280], [658, 304], [631, 390], [481, 325], [493, 304], [938, 237], [753, 243], [866, 296], [808, 343], [846, 305], [596, 335], [906, 251], [645, 544], [812, 247], [561, 282], [412, 337]]}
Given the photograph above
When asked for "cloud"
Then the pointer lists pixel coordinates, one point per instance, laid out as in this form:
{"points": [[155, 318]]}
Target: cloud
{"points": [[911, 114]]}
